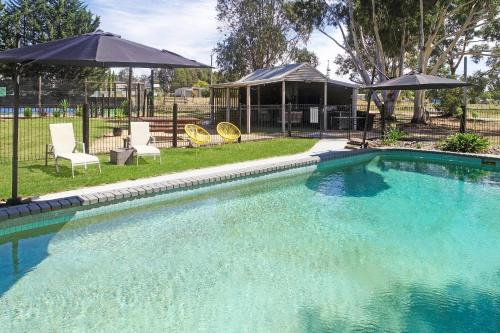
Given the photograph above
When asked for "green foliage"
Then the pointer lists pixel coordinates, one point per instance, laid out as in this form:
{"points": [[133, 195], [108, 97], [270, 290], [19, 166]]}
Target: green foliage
{"points": [[201, 84], [124, 107], [257, 34], [450, 100], [64, 106], [38, 21], [393, 135], [119, 114], [27, 112], [185, 77], [79, 111], [304, 55], [466, 143], [56, 114]]}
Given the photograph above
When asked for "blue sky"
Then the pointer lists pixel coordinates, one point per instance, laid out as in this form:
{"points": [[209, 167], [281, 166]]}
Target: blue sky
{"points": [[187, 27]]}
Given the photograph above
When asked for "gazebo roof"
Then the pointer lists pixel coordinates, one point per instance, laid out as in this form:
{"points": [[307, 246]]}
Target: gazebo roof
{"points": [[303, 72]]}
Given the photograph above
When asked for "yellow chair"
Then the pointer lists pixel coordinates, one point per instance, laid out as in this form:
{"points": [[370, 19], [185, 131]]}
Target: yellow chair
{"points": [[197, 134], [228, 132]]}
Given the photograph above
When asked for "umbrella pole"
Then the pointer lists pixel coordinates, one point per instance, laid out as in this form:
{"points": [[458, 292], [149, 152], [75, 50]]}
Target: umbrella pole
{"points": [[15, 199]]}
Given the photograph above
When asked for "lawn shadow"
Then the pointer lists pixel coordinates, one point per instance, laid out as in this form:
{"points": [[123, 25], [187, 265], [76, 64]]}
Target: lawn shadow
{"points": [[64, 170]]}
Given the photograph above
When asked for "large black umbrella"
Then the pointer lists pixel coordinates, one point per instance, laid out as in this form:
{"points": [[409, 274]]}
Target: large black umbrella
{"points": [[417, 82], [413, 81], [98, 49]]}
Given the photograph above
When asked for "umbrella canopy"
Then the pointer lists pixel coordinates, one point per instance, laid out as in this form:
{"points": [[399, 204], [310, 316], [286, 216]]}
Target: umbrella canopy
{"points": [[417, 82], [97, 49]]}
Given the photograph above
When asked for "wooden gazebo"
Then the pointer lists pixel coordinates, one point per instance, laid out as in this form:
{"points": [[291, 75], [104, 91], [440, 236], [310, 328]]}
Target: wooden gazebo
{"points": [[296, 84]]}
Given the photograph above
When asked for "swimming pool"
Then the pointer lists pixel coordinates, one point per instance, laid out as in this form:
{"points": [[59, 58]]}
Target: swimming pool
{"points": [[378, 242]]}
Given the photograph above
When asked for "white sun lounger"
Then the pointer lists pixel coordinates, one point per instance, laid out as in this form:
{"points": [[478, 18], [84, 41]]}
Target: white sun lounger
{"points": [[64, 146], [142, 142]]}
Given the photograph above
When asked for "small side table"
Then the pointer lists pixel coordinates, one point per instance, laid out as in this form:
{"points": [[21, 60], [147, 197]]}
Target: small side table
{"points": [[121, 156]]}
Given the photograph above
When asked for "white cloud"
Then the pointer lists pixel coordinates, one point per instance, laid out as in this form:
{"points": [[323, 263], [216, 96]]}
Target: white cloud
{"points": [[185, 27]]}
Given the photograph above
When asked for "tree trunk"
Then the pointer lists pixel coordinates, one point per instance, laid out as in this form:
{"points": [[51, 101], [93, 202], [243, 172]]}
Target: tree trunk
{"points": [[418, 112], [419, 116], [390, 99]]}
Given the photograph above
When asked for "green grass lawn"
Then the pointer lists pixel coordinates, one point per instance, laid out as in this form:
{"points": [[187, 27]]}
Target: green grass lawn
{"points": [[36, 178], [34, 134]]}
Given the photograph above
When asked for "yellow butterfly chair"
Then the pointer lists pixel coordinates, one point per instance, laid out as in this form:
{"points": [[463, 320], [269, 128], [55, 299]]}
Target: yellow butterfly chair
{"points": [[197, 134], [228, 132]]}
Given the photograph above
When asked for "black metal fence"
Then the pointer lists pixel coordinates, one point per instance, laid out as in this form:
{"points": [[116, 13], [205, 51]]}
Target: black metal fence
{"points": [[103, 125]]}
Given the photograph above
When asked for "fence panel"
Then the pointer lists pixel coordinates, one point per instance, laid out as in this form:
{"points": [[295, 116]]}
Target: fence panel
{"points": [[34, 129], [45, 102]]}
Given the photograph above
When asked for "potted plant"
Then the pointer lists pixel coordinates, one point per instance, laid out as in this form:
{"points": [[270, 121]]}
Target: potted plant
{"points": [[117, 129]]}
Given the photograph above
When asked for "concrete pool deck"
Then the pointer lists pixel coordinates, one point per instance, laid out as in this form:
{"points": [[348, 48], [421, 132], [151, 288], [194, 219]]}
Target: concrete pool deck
{"points": [[147, 186]]}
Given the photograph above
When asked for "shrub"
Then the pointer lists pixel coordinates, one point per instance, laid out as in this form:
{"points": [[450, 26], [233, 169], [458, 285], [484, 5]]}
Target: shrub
{"points": [[27, 112], [64, 106], [56, 113], [124, 106], [119, 114], [79, 111], [393, 135], [466, 143]]}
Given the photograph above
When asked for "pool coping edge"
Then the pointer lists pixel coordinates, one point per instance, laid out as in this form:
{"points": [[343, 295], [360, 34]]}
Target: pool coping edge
{"points": [[10, 214]]}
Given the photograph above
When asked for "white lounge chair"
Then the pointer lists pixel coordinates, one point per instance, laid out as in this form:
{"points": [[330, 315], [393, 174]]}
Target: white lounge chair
{"points": [[142, 141], [64, 146]]}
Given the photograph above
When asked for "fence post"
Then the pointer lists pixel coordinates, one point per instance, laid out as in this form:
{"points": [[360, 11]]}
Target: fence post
{"points": [[174, 124], [382, 114], [289, 119], [85, 127]]}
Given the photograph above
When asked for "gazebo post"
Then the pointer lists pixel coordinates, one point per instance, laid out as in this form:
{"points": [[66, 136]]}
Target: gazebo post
{"points": [[249, 110], [228, 106], [258, 100], [283, 107], [354, 109], [325, 103]]}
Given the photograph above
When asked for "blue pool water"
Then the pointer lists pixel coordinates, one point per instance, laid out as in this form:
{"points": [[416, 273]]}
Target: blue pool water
{"points": [[4, 111], [387, 243]]}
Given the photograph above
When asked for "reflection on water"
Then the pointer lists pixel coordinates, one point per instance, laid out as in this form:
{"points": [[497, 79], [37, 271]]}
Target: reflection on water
{"points": [[384, 246], [416, 308], [356, 181]]}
